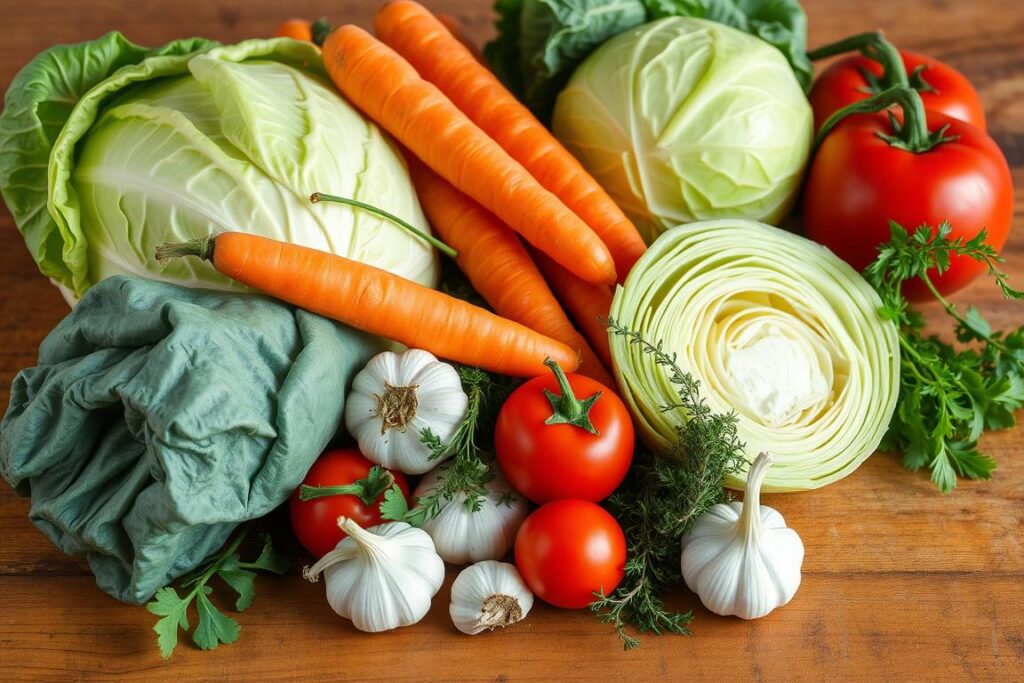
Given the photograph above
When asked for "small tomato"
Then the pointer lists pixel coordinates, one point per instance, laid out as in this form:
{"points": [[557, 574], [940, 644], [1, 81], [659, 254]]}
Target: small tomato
{"points": [[554, 445], [568, 550]]}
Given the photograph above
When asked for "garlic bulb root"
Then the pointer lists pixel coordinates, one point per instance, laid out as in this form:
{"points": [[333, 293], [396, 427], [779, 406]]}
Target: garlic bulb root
{"points": [[489, 595]]}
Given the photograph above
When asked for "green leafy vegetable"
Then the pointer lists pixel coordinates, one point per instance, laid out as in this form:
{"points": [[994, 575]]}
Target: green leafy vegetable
{"points": [[213, 627], [948, 396], [108, 149], [541, 42], [471, 467], [687, 119], [662, 497]]}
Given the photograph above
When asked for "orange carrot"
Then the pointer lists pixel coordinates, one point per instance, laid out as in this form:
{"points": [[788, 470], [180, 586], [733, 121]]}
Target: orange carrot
{"points": [[458, 31], [498, 265], [439, 57], [588, 304], [299, 29], [378, 302], [382, 84]]}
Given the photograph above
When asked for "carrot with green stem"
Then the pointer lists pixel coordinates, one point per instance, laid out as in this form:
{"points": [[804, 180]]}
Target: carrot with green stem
{"points": [[388, 90], [498, 265], [377, 302], [441, 58], [588, 304]]}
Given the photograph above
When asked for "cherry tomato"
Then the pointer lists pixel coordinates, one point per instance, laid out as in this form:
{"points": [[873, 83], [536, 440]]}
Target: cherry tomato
{"points": [[315, 521], [585, 455], [568, 550], [858, 182], [844, 82]]}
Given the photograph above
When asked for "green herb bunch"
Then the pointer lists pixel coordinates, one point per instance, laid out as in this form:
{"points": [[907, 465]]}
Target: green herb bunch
{"points": [[948, 396], [660, 500], [213, 627]]}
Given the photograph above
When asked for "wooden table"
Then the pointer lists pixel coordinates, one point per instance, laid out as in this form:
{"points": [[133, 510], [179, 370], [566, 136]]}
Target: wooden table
{"points": [[900, 583]]}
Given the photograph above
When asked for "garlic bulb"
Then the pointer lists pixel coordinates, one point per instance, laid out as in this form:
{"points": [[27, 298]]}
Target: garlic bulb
{"points": [[463, 535], [487, 595], [382, 577], [741, 559], [394, 398]]}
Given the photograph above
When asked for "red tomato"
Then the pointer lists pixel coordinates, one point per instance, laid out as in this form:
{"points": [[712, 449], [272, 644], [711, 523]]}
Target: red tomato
{"points": [[843, 83], [316, 521], [552, 461], [570, 549], [858, 182]]}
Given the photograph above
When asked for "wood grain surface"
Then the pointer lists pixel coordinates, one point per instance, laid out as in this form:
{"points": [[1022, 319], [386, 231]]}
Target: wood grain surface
{"points": [[900, 583]]}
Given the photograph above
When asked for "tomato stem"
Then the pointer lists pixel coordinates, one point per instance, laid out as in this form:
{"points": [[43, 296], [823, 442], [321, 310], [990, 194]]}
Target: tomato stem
{"points": [[912, 134], [875, 47], [368, 489], [567, 408]]}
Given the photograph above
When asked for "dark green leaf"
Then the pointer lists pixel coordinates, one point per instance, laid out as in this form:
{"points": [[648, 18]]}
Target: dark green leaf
{"points": [[242, 582], [213, 627], [269, 559]]}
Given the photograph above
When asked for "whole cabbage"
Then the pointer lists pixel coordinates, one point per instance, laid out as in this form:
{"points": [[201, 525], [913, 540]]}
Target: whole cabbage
{"points": [[108, 149], [686, 119]]}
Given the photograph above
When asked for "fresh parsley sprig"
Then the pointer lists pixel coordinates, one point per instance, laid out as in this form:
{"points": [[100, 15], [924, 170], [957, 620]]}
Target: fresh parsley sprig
{"points": [[471, 467], [213, 627], [660, 500], [948, 396]]}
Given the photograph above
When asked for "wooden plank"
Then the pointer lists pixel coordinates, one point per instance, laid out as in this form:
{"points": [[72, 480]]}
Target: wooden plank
{"points": [[900, 583]]}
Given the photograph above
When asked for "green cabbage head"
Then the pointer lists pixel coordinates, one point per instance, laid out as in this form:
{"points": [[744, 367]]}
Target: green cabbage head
{"points": [[685, 119], [108, 149]]}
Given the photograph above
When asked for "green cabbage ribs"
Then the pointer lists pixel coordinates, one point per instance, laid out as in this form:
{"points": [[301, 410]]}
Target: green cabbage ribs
{"points": [[160, 417], [775, 328], [108, 149]]}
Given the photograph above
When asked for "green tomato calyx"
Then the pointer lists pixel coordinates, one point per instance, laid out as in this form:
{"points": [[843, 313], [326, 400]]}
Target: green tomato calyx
{"points": [[567, 408]]}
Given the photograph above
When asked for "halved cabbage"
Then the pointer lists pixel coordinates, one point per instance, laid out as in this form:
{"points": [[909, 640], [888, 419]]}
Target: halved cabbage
{"points": [[776, 328]]}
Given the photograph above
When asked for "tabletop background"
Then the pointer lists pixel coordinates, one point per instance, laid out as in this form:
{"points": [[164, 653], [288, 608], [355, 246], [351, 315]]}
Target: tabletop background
{"points": [[899, 582]]}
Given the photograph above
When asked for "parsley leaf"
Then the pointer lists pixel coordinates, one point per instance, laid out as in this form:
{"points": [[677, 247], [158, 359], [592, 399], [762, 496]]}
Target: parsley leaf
{"points": [[948, 396], [212, 627]]}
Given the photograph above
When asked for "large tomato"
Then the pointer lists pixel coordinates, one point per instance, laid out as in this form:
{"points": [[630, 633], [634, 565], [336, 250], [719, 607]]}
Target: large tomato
{"points": [[553, 444], [315, 521], [856, 77], [570, 549], [859, 181]]}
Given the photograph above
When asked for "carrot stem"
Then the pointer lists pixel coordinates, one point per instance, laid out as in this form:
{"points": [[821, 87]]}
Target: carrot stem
{"points": [[201, 247], [317, 197]]}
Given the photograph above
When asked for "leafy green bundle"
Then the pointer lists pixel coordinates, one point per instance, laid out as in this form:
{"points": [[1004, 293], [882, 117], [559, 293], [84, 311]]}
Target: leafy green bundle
{"points": [[948, 396]]}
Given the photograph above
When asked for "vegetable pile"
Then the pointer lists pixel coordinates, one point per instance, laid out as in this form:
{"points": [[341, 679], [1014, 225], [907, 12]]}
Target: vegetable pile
{"points": [[469, 281]]}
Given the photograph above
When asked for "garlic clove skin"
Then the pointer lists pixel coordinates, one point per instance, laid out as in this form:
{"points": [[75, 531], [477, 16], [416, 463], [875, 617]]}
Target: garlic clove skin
{"points": [[740, 558], [394, 398], [461, 535], [381, 578], [489, 595]]}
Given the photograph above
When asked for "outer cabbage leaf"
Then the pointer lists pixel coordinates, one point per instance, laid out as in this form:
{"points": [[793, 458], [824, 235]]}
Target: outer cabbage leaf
{"points": [[687, 119], [37, 105], [782, 23], [718, 294], [541, 42]]}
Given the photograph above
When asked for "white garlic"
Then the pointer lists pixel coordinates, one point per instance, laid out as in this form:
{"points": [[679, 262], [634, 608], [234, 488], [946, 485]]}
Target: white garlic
{"points": [[382, 577], [394, 398], [741, 559], [463, 535], [487, 595]]}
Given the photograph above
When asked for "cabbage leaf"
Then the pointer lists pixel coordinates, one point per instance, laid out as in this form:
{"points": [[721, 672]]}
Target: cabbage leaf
{"points": [[541, 42]]}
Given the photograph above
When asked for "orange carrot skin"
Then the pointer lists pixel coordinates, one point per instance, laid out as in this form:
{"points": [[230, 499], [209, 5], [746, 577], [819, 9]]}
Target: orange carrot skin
{"points": [[299, 29], [498, 265], [588, 304], [458, 31], [441, 58], [388, 90], [384, 304]]}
